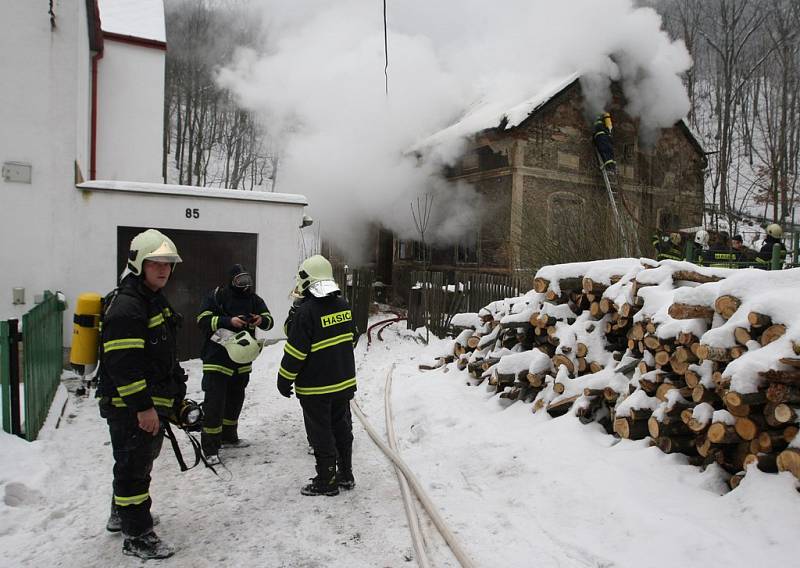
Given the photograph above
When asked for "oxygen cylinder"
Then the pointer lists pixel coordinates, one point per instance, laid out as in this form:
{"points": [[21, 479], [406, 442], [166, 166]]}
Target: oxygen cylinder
{"points": [[85, 333], [607, 121]]}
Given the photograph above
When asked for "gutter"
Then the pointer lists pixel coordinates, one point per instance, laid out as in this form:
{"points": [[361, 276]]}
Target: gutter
{"points": [[93, 150]]}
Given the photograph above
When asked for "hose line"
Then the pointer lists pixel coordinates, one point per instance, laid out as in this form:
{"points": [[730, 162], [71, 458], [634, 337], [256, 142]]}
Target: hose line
{"points": [[448, 536], [408, 500]]}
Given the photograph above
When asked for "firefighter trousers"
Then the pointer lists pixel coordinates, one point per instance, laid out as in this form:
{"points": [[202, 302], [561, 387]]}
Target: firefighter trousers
{"points": [[329, 428], [222, 404], [134, 453]]}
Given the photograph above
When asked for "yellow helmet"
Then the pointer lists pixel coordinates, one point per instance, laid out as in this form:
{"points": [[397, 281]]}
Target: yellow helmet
{"points": [[774, 230], [675, 238], [151, 245], [316, 276], [243, 348]]}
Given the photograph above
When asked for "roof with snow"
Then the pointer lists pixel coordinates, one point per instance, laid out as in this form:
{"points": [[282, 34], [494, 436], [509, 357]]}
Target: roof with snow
{"points": [[143, 19], [163, 189], [495, 114]]}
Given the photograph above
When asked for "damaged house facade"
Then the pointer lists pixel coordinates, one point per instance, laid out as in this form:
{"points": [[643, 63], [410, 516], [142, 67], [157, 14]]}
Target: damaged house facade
{"points": [[544, 199]]}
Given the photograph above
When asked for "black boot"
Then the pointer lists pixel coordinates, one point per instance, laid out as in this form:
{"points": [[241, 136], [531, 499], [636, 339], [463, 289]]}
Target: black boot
{"points": [[146, 546], [344, 469], [114, 523], [325, 481]]}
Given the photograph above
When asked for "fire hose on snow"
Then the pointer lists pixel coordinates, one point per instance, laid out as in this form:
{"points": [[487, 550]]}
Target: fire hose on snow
{"points": [[408, 476]]}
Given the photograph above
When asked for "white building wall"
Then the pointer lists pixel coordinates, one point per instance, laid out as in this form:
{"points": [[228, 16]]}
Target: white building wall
{"points": [[38, 126], [130, 108], [103, 206]]}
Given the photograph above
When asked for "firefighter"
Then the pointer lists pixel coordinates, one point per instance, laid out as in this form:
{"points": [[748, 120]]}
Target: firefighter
{"points": [[668, 247], [603, 142], [744, 255], [225, 313], [774, 236], [318, 362], [140, 383], [701, 243], [720, 254]]}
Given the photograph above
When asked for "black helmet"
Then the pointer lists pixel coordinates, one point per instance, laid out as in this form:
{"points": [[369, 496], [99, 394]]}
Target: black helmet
{"points": [[239, 279]]}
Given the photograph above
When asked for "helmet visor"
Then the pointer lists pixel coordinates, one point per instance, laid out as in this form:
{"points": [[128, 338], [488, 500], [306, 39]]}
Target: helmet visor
{"points": [[323, 288], [164, 253]]}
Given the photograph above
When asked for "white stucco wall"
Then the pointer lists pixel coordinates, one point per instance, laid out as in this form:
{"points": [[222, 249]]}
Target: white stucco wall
{"points": [[38, 126], [102, 206], [57, 237], [130, 99]]}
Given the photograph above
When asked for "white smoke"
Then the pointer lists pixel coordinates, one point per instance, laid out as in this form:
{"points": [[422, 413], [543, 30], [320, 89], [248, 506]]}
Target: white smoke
{"points": [[319, 86]]}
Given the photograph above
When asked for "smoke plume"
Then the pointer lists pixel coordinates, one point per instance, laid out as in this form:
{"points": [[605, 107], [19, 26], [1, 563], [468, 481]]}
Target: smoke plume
{"points": [[318, 84]]}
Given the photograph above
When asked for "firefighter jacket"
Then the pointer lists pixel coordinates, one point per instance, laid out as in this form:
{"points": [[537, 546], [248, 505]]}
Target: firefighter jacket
{"points": [[764, 258], [666, 249], [222, 305], [318, 355], [720, 257], [138, 354]]}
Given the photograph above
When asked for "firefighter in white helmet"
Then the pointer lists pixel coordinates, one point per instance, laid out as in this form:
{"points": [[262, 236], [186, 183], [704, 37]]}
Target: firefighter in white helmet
{"points": [[318, 363], [774, 237], [140, 384]]}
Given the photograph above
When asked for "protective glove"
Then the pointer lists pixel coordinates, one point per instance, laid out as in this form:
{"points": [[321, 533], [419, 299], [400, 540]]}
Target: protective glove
{"points": [[285, 387]]}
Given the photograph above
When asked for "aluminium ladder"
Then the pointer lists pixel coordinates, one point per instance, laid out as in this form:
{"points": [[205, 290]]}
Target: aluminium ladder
{"points": [[627, 232]]}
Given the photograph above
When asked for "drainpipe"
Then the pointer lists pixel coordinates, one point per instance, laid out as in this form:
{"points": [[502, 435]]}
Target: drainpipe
{"points": [[93, 151]]}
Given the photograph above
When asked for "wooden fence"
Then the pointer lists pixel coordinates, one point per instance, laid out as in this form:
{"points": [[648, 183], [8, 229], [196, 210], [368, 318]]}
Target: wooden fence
{"points": [[434, 298]]}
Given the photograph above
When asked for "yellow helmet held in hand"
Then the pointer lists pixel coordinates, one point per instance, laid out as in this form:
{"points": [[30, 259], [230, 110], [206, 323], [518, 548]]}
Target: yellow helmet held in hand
{"points": [[774, 230], [243, 348], [151, 245]]}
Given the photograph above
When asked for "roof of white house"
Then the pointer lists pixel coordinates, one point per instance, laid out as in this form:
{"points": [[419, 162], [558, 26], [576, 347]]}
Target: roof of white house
{"points": [[142, 19], [163, 189]]}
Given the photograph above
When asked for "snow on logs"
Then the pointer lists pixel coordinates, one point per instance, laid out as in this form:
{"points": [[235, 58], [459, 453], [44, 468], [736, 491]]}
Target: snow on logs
{"points": [[703, 362]]}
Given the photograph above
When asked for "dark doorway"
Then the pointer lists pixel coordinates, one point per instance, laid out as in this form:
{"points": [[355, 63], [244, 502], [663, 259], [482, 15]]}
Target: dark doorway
{"points": [[206, 255]]}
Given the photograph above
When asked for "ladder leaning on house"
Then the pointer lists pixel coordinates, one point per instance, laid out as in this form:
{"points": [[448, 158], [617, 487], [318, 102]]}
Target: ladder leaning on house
{"points": [[627, 232]]}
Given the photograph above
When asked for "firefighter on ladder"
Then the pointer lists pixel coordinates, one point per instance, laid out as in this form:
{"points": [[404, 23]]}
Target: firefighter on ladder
{"points": [[603, 143]]}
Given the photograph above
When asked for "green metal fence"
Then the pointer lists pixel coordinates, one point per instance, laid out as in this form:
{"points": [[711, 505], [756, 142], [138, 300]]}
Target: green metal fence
{"points": [[5, 374], [41, 345]]}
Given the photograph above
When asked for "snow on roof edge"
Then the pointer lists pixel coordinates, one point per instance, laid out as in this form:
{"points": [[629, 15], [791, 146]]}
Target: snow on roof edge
{"points": [[193, 191]]}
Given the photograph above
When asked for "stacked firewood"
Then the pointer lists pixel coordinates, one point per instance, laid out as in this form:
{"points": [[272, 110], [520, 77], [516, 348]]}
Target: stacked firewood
{"points": [[647, 373]]}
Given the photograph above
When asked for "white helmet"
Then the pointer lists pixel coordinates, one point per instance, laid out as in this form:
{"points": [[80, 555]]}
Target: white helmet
{"points": [[701, 238], [774, 230], [316, 276], [151, 245], [243, 348]]}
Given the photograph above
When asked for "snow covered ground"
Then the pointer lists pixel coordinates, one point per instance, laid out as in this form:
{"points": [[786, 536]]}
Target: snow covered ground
{"points": [[518, 489]]}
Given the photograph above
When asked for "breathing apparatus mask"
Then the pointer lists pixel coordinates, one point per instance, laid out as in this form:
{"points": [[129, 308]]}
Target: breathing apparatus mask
{"points": [[190, 416]]}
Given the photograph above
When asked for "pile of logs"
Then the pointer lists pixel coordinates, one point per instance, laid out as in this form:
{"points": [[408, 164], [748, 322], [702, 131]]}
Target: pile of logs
{"points": [[602, 351]]}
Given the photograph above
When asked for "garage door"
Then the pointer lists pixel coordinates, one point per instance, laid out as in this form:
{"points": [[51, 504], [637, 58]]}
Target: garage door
{"points": [[207, 256]]}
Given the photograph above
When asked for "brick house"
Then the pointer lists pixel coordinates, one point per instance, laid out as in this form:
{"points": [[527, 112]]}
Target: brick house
{"points": [[544, 196]]}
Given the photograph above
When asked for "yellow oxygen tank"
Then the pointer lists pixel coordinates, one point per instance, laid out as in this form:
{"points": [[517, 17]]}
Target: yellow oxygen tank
{"points": [[85, 333], [607, 121]]}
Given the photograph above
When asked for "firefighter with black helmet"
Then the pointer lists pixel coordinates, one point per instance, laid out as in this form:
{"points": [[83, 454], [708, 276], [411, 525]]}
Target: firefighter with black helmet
{"points": [[140, 383], [318, 362], [229, 317]]}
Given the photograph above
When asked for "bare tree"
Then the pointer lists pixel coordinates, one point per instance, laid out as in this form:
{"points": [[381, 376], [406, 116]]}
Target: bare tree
{"points": [[209, 140]]}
